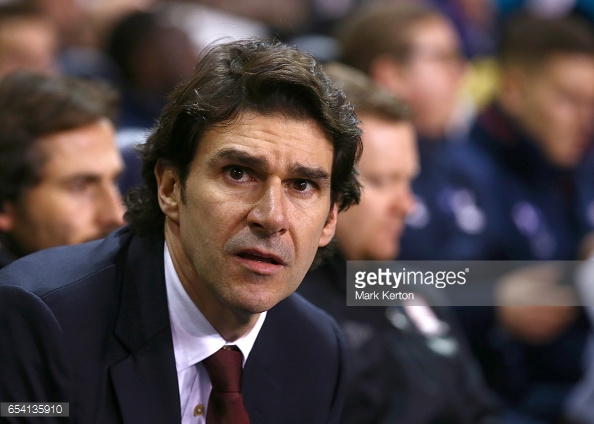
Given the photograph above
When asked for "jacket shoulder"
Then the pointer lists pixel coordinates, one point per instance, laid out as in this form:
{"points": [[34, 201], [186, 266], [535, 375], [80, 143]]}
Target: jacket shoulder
{"points": [[52, 269], [311, 320]]}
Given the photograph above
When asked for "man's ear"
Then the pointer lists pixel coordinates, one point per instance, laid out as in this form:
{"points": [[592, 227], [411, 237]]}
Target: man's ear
{"points": [[6, 217], [329, 227], [168, 190]]}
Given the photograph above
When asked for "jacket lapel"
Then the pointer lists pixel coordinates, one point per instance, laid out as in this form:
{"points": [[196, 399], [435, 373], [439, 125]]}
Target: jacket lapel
{"points": [[262, 392], [145, 382]]}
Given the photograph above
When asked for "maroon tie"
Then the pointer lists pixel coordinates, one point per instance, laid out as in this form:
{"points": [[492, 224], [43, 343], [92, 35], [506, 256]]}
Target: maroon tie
{"points": [[225, 405]]}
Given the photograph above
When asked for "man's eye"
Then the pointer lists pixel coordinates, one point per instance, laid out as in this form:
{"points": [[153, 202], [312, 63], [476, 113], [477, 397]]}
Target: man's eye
{"points": [[301, 185], [79, 186], [236, 173], [376, 182]]}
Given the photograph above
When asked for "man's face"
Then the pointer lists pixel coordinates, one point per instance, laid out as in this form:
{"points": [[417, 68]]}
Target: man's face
{"points": [[77, 198], [557, 107], [432, 75], [256, 209], [371, 230], [27, 43]]}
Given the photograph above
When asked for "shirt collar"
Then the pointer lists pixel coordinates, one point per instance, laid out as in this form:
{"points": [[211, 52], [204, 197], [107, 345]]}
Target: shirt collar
{"points": [[194, 338]]}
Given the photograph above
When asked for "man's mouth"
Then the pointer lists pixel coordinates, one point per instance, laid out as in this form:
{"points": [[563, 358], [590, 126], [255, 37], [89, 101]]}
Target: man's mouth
{"points": [[258, 258], [253, 255], [259, 262]]}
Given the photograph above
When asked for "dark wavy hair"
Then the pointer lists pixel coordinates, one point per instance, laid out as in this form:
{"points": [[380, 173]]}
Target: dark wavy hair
{"points": [[265, 77]]}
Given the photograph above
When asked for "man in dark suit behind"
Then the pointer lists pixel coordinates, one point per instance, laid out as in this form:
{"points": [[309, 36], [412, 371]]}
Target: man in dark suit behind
{"points": [[244, 176], [59, 163]]}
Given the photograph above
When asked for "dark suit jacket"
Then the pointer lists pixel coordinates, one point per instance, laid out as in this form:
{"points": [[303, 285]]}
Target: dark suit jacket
{"points": [[89, 325], [398, 374]]}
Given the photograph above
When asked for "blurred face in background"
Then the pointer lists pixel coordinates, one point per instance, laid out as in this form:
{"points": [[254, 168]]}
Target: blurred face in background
{"points": [[372, 229], [76, 199], [29, 43], [165, 58], [430, 78], [556, 106], [433, 74]]}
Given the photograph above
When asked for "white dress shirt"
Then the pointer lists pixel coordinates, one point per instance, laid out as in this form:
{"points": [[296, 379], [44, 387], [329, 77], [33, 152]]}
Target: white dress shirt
{"points": [[194, 339]]}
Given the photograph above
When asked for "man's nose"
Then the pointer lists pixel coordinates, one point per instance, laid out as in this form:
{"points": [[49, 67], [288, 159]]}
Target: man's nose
{"points": [[110, 208], [269, 211], [403, 200]]}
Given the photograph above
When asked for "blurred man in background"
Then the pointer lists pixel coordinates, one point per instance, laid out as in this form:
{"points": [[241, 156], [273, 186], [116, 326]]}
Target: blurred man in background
{"points": [[533, 140], [399, 373], [413, 51], [527, 164], [59, 164], [151, 56], [28, 39]]}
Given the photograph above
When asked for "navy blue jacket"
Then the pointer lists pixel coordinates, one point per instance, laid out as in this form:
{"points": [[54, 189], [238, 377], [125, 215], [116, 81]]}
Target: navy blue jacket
{"points": [[431, 223], [533, 211], [89, 325], [496, 196]]}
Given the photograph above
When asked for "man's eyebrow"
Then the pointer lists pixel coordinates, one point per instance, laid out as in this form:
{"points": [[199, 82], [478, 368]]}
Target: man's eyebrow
{"points": [[256, 162], [89, 177], [79, 177], [240, 157], [307, 172]]}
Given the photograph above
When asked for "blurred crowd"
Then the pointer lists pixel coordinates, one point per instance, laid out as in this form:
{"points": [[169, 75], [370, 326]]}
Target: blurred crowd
{"points": [[495, 162]]}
